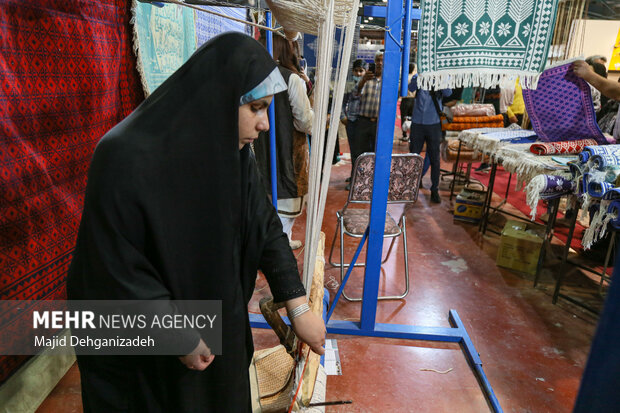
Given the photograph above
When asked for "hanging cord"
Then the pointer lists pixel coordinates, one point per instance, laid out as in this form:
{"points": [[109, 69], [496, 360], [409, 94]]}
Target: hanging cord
{"points": [[191, 6], [318, 188]]}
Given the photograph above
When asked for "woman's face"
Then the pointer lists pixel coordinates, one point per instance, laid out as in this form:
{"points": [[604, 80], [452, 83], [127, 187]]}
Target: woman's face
{"points": [[253, 119]]}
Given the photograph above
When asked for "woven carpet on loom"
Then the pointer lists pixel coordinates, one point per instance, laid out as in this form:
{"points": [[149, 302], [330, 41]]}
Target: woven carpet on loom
{"points": [[68, 77], [164, 38], [561, 107], [478, 42]]}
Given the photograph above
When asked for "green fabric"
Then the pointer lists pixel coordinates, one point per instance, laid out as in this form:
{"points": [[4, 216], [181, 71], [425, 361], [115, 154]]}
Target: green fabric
{"points": [[510, 38], [164, 38]]}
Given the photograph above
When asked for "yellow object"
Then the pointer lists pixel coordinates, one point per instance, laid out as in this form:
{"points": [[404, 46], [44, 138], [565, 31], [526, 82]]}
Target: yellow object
{"points": [[468, 205], [518, 104], [520, 246], [614, 63]]}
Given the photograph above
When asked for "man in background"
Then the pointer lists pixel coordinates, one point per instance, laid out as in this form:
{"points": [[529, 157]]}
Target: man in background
{"points": [[426, 128], [350, 112], [369, 89]]}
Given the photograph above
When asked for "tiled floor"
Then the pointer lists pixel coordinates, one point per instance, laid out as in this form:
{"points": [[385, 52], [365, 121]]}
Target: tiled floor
{"points": [[533, 352]]}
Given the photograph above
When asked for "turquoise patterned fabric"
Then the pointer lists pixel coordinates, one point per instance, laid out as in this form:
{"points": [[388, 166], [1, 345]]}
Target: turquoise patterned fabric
{"points": [[164, 38], [479, 42]]}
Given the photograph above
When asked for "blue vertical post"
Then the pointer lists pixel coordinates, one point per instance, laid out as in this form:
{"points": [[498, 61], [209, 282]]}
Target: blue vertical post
{"points": [[272, 127], [383, 161], [404, 76]]}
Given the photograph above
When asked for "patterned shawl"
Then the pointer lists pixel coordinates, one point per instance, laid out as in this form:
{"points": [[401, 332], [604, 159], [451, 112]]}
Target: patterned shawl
{"points": [[164, 38], [480, 42], [561, 107], [600, 157], [547, 187], [548, 148]]}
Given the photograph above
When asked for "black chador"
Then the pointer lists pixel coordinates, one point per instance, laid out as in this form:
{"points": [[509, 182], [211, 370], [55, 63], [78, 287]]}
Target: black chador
{"points": [[175, 211]]}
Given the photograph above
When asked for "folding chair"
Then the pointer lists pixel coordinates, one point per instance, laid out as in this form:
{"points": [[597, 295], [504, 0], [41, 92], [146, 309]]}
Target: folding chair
{"points": [[405, 174]]}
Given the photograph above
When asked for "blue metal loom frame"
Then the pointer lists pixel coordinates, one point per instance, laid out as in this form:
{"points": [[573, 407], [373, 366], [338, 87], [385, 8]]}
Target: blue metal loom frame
{"points": [[367, 326], [272, 123]]}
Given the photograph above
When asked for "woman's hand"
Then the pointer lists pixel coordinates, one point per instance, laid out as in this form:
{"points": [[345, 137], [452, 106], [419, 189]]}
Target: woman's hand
{"points": [[199, 359], [308, 327], [582, 69]]}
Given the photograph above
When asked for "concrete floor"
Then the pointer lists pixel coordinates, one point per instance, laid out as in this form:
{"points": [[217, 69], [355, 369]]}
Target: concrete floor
{"points": [[533, 352]]}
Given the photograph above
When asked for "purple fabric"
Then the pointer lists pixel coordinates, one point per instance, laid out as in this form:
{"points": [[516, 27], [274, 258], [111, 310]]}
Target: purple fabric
{"points": [[561, 107], [557, 186]]}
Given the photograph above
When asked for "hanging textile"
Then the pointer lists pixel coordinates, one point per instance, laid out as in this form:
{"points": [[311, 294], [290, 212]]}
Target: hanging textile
{"points": [[480, 42], [549, 148], [210, 25], [68, 77], [164, 38], [561, 107]]}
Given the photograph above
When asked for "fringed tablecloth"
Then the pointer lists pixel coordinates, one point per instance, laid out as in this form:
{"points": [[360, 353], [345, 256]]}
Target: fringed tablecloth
{"points": [[517, 159], [488, 140]]}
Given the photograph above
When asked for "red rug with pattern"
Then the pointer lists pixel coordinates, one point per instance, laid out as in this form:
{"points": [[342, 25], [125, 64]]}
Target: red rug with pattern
{"points": [[68, 76]]}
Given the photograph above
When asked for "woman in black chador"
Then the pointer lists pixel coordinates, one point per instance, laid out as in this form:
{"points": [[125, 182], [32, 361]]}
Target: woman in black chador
{"points": [[174, 211]]}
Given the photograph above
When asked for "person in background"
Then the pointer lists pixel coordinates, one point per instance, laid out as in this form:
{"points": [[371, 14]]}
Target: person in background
{"points": [[426, 127], [597, 59], [350, 111], [512, 105], [494, 97], [294, 116], [600, 70], [369, 90], [607, 87], [406, 103]]}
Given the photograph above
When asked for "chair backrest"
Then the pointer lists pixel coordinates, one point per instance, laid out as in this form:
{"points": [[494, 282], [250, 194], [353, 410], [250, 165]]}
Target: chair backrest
{"points": [[405, 174]]}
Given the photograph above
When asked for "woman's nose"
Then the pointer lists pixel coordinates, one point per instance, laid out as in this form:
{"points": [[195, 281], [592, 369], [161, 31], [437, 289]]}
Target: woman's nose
{"points": [[263, 122]]}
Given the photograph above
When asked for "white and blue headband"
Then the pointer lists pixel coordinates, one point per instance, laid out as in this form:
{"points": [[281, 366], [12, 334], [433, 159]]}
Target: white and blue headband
{"points": [[272, 84]]}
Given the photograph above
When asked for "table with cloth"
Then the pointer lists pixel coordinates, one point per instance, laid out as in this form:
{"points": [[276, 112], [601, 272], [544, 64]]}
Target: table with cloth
{"points": [[512, 149]]}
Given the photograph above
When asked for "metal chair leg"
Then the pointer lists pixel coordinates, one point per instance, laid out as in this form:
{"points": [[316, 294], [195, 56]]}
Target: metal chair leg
{"points": [[338, 264], [331, 251], [403, 221]]}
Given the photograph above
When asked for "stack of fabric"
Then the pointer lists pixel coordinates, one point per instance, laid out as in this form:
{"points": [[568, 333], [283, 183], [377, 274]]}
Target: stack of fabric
{"points": [[460, 123], [595, 176], [450, 150], [473, 109]]}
